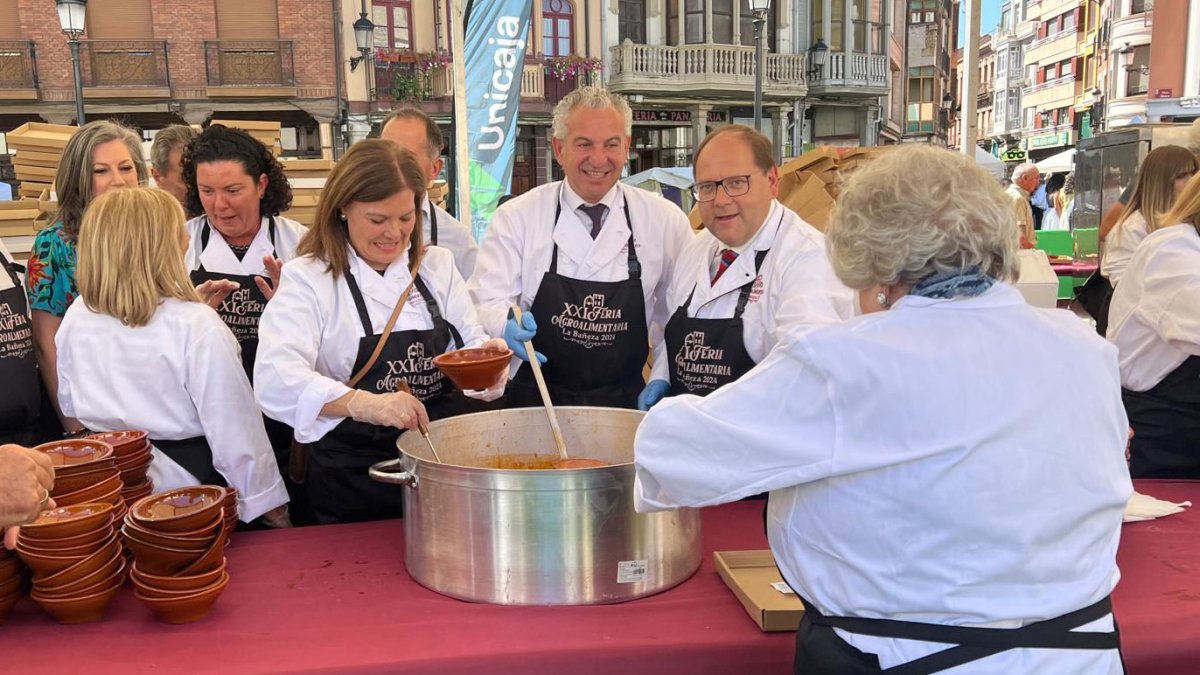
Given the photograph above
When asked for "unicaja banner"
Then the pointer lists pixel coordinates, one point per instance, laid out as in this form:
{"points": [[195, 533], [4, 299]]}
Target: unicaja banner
{"points": [[494, 51]]}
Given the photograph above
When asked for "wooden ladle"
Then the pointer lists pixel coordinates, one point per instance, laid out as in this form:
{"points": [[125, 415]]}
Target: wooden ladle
{"points": [[420, 425], [541, 384]]}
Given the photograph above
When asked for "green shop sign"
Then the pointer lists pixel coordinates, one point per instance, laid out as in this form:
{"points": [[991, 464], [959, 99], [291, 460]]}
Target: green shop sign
{"points": [[1048, 140], [1013, 155]]}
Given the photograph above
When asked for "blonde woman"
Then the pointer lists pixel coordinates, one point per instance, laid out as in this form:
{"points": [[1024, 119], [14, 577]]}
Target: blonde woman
{"points": [[926, 414], [141, 351], [1156, 327], [334, 301], [1160, 179], [101, 156]]}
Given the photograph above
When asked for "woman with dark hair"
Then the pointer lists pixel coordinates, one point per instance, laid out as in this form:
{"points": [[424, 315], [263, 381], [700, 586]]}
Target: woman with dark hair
{"points": [[240, 243], [362, 273]]}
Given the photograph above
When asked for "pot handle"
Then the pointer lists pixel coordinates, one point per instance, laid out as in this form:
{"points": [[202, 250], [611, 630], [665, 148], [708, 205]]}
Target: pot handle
{"points": [[388, 471]]}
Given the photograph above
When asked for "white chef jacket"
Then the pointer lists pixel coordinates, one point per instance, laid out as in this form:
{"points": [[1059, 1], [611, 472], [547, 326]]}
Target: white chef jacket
{"points": [[178, 377], [310, 331], [795, 287], [452, 235], [1119, 247], [1154, 317], [516, 250], [218, 257], [914, 474]]}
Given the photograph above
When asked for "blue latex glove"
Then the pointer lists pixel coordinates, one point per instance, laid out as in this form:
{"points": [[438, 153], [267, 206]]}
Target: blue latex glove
{"points": [[653, 393], [515, 336]]}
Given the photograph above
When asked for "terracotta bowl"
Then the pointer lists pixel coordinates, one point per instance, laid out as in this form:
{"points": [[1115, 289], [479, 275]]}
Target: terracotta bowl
{"points": [[178, 583], [135, 476], [135, 492], [66, 483], [477, 368], [197, 544], [179, 510], [196, 584], [185, 608], [93, 583], [80, 569], [58, 556], [162, 560], [81, 608], [7, 602], [64, 585], [10, 568], [122, 442], [75, 453], [90, 492], [136, 459], [111, 496], [14, 583], [68, 521], [88, 541], [213, 558]]}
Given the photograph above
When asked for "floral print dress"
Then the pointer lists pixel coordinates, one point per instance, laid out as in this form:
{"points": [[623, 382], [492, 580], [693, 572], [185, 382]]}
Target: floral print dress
{"points": [[50, 279]]}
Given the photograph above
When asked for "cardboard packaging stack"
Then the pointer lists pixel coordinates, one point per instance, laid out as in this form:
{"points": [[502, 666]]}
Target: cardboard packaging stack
{"points": [[39, 149], [265, 131], [438, 191], [307, 178], [17, 218]]}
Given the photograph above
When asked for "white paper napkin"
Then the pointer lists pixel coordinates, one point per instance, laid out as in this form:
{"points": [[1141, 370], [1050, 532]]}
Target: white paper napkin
{"points": [[1144, 507]]}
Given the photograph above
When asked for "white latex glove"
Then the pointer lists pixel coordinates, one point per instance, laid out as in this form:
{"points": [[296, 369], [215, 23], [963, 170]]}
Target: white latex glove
{"points": [[497, 389], [1145, 507], [397, 409]]}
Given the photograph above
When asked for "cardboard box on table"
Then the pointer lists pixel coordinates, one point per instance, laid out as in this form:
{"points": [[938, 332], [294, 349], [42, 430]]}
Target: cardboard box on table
{"points": [[755, 580], [1038, 283]]}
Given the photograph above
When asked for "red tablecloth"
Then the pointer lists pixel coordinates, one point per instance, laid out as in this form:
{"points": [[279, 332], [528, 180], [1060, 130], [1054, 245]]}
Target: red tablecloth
{"points": [[1074, 269], [337, 599]]}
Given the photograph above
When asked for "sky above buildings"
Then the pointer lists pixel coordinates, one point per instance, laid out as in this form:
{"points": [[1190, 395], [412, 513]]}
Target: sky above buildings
{"points": [[987, 21]]}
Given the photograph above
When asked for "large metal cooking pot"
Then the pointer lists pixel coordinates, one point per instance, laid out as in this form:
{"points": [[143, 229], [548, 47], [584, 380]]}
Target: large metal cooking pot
{"points": [[520, 537]]}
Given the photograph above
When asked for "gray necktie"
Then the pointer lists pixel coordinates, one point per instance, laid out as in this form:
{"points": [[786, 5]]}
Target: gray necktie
{"points": [[596, 213]]}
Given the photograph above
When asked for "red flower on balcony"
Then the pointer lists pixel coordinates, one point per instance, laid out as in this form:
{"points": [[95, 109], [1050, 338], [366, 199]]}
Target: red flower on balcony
{"points": [[572, 66]]}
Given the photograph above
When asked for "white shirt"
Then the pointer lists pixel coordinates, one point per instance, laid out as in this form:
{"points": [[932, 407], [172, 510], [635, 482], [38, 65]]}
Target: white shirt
{"points": [[1119, 247], [310, 331], [795, 287], [218, 257], [452, 235], [914, 473], [6, 281], [178, 377], [516, 250], [1154, 317]]}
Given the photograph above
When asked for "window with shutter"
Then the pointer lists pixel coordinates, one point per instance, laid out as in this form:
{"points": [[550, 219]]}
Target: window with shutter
{"points": [[247, 20], [10, 20], [119, 20]]}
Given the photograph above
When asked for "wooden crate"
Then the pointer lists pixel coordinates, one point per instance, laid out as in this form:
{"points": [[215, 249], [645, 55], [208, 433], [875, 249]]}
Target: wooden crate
{"points": [[40, 137], [32, 158]]}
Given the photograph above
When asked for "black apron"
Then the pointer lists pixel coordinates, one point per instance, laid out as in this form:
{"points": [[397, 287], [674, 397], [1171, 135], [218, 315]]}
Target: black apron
{"points": [[593, 334], [243, 309], [706, 354], [1166, 425], [432, 225], [821, 651], [339, 488], [20, 395], [195, 455]]}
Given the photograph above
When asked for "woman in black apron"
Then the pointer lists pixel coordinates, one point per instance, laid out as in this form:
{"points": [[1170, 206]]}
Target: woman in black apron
{"points": [[20, 397], [362, 261], [593, 335]]}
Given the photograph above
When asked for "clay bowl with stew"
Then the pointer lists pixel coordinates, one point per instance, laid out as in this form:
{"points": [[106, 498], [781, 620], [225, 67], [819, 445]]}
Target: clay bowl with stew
{"points": [[68, 521], [75, 453], [122, 442], [184, 608], [79, 608], [191, 583], [90, 584], [103, 559], [179, 510], [476, 368]]}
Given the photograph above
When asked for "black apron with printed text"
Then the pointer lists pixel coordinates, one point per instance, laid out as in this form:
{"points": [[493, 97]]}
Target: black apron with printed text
{"points": [[706, 354], [593, 334], [195, 455], [339, 489], [243, 309], [821, 651], [433, 238], [20, 395], [1166, 425]]}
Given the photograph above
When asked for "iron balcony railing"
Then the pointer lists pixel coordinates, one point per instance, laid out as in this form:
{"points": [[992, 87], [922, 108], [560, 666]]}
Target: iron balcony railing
{"points": [[124, 63], [18, 65], [249, 63]]}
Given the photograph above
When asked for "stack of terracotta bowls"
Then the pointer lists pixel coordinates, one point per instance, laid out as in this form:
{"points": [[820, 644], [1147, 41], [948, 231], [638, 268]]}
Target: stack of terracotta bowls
{"points": [[131, 451], [178, 543], [12, 581], [76, 560], [85, 471], [231, 513]]}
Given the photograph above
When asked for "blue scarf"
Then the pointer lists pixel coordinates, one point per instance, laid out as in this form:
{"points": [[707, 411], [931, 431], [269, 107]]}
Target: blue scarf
{"points": [[965, 283]]}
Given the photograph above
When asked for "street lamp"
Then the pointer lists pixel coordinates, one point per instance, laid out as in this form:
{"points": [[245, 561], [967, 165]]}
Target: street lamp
{"points": [[816, 58], [760, 8], [71, 16], [364, 37]]}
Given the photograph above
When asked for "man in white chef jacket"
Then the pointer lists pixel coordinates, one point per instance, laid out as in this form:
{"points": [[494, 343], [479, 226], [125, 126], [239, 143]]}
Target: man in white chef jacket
{"points": [[755, 273], [587, 260], [413, 130]]}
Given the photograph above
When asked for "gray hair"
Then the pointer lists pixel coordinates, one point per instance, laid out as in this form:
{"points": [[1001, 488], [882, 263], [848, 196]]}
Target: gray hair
{"points": [[916, 210], [166, 140], [590, 97], [1023, 169], [73, 180]]}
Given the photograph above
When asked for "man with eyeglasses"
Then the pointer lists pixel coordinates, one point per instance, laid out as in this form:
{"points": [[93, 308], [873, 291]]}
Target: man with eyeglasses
{"points": [[755, 273], [587, 260]]}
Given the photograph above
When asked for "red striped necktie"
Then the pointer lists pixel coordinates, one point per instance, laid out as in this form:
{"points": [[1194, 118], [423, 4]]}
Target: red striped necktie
{"points": [[727, 258]]}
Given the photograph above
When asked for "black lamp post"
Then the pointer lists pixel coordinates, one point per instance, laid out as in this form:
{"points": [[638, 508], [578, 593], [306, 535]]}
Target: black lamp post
{"points": [[71, 16], [816, 58], [364, 38], [760, 9]]}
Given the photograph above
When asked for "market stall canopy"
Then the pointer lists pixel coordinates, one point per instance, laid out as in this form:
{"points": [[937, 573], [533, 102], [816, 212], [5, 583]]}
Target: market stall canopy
{"points": [[991, 164], [670, 182], [1063, 161]]}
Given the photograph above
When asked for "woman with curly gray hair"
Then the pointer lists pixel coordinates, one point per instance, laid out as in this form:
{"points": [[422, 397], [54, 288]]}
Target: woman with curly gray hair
{"points": [[914, 476]]}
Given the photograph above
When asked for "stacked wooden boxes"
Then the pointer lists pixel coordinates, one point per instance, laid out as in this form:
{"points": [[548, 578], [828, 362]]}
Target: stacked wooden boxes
{"points": [[438, 191], [307, 178], [39, 149], [265, 131], [17, 218]]}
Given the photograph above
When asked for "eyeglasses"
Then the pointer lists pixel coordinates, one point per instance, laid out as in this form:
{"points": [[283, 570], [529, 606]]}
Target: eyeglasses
{"points": [[735, 186]]}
